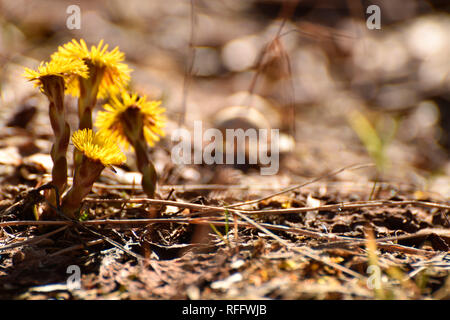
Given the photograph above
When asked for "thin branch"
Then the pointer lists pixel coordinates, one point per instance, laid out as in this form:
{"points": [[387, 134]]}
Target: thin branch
{"points": [[327, 175], [336, 241], [77, 247], [351, 206], [36, 239], [189, 69], [303, 251], [341, 206], [80, 224], [192, 206]]}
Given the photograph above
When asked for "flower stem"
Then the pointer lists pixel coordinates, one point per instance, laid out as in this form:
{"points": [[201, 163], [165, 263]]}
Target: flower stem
{"points": [[146, 167], [54, 89], [134, 130], [86, 173], [87, 101]]}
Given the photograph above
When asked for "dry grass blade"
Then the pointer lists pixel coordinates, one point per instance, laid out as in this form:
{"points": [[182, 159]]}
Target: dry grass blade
{"points": [[209, 209], [304, 251], [336, 241], [189, 68], [35, 240], [327, 175], [77, 247]]}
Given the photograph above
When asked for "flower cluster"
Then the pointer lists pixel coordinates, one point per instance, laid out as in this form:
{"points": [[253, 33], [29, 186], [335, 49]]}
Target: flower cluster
{"points": [[127, 120], [116, 74]]}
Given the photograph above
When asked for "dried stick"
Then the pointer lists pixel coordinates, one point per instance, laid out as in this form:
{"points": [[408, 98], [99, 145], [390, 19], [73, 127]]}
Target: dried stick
{"points": [[188, 72], [327, 175], [337, 241], [342, 206], [77, 247], [303, 251], [36, 239]]}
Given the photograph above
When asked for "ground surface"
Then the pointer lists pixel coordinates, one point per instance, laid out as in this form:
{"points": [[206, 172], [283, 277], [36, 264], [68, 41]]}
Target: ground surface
{"points": [[315, 241]]}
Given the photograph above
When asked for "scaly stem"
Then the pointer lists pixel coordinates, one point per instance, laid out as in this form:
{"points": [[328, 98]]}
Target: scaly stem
{"points": [[87, 100], [85, 175], [134, 130], [146, 167], [53, 87]]}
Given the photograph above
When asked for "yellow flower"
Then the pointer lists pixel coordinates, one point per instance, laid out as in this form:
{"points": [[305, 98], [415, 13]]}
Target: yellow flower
{"points": [[98, 147], [62, 67], [111, 122], [116, 74]]}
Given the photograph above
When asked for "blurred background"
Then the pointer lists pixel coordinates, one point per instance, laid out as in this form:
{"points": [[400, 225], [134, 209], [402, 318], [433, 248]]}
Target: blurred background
{"points": [[340, 93]]}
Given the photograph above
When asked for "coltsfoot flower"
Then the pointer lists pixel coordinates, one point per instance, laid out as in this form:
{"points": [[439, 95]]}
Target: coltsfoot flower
{"points": [[135, 121], [115, 74], [98, 147], [107, 75], [66, 68], [51, 77], [120, 116], [98, 151]]}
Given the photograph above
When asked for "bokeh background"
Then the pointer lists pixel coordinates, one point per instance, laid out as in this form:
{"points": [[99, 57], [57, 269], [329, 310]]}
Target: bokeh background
{"points": [[340, 93]]}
